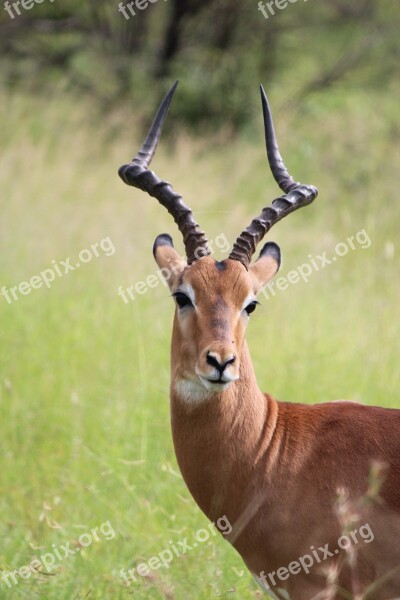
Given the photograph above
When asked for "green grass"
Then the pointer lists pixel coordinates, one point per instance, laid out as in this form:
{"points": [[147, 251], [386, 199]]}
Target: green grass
{"points": [[85, 434]]}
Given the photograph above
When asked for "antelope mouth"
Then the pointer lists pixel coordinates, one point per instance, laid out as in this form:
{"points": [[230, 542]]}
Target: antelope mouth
{"points": [[216, 385]]}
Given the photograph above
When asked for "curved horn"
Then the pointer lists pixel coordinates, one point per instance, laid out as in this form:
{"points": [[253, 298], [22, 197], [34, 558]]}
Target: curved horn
{"points": [[296, 195], [137, 174]]}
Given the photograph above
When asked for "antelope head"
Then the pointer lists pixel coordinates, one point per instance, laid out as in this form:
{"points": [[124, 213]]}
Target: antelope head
{"points": [[213, 299]]}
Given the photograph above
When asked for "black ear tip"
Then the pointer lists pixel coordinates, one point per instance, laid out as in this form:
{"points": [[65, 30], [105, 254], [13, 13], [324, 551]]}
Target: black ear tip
{"points": [[164, 239], [272, 249]]}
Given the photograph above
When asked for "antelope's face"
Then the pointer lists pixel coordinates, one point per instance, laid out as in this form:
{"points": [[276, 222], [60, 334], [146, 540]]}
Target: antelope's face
{"points": [[213, 303]]}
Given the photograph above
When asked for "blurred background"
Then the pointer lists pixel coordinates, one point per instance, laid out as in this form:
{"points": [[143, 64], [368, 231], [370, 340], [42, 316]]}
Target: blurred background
{"points": [[84, 375]]}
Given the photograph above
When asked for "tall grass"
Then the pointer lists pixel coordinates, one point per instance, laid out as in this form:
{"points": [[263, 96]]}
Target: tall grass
{"points": [[84, 377]]}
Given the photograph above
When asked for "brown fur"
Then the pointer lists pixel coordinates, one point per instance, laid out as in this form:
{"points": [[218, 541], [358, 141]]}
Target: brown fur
{"points": [[274, 469]]}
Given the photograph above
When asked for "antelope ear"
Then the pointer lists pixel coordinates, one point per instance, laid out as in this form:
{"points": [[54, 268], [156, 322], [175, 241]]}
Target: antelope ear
{"points": [[170, 262], [267, 265]]}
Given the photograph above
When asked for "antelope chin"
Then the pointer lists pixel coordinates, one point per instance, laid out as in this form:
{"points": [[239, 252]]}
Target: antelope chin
{"points": [[199, 390]]}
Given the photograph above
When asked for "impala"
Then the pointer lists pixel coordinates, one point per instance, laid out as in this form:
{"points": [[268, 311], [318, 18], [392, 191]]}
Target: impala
{"points": [[274, 469]]}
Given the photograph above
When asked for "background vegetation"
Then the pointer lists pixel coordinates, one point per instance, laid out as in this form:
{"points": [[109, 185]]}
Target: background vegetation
{"points": [[84, 377]]}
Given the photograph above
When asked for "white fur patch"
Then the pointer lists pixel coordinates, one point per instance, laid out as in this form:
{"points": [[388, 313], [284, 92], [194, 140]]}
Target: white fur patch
{"points": [[191, 392]]}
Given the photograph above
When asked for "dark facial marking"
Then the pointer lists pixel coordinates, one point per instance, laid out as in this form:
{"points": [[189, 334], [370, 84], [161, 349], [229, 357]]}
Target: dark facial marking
{"points": [[221, 265], [218, 324], [218, 319]]}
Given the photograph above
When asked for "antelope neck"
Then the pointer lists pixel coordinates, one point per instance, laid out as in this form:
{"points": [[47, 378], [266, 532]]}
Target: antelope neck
{"points": [[219, 441]]}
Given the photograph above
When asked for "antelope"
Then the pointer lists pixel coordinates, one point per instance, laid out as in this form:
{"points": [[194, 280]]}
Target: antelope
{"points": [[275, 470]]}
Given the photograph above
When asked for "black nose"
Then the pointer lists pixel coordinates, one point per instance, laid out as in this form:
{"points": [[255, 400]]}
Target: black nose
{"points": [[220, 366]]}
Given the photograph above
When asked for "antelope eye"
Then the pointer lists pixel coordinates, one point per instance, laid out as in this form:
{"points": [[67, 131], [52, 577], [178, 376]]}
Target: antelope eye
{"points": [[251, 307], [182, 300]]}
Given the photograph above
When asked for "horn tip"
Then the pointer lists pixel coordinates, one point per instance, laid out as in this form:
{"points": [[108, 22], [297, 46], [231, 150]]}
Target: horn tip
{"points": [[262, 90], [173, 88]]}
